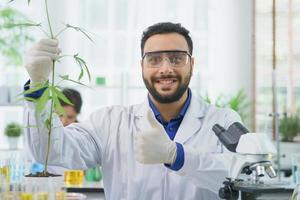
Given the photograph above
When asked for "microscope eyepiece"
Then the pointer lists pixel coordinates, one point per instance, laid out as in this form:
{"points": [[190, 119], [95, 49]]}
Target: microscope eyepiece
{"points": [[230, 137]]}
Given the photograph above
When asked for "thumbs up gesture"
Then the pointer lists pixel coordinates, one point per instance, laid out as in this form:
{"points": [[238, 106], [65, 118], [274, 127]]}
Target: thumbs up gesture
{"points": [[154, 146]]}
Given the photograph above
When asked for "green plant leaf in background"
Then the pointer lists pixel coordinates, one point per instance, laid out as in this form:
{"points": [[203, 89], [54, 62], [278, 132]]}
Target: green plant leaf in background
{"points": [[13, 129], [237, 102], [240, 104], [14, 37], [289, 126]]}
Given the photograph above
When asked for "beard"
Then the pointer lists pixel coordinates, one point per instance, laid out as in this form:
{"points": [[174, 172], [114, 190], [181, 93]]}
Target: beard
{"points": [[170, 98]]}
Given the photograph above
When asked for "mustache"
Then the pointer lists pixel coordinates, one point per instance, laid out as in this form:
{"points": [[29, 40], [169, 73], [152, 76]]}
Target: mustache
{"points": [[164, 76]]}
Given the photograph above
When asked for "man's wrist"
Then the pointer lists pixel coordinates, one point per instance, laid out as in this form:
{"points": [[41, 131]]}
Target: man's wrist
{"points": [[34, 95], [179, 158]]}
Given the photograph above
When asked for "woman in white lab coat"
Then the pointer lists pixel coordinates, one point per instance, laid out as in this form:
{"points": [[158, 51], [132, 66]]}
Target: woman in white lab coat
{"points": [[163, 148]]}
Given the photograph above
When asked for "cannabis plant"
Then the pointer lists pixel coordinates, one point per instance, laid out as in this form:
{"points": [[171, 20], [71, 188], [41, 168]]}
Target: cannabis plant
{"points": [[52, 91]]}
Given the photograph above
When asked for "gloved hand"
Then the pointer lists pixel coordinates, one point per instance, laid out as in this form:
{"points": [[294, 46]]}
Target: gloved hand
{"points": [[154, 146], [38, 60]]}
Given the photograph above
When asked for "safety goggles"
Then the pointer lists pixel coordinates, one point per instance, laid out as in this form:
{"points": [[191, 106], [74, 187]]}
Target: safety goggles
{"points": [[175, 58]]}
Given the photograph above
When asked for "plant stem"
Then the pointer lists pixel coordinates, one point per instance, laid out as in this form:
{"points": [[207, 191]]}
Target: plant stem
{"points": [[52, 101], [48, 19], [50, 122]]}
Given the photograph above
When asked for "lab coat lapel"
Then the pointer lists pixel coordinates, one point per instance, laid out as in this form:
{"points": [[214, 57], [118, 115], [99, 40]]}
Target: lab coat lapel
{"points": [[191, 123], [142, 123]]}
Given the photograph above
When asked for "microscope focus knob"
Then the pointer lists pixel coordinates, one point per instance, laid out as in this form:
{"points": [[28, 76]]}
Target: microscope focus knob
{"points": [[225, 192]]}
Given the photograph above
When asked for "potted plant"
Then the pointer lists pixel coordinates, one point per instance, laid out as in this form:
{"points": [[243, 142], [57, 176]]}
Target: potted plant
{"points": [[13, 131], [289, 127], [237, 102], [52, 94]]}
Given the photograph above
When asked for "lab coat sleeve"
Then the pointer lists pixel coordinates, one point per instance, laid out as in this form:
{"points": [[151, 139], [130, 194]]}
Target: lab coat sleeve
{"points": [[77, 146], [205, 169]]}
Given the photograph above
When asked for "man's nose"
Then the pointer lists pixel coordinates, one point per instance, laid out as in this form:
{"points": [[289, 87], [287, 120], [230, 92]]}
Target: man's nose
{"points": [[165, 65]]}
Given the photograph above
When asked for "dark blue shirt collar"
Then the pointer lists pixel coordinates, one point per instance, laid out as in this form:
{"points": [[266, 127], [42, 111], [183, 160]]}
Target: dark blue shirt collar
{"points": [[182, 111]]}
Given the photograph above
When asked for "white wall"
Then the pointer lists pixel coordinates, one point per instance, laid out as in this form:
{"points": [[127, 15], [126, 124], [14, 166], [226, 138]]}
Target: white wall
{"points": [[221, 30], [230, 46]]}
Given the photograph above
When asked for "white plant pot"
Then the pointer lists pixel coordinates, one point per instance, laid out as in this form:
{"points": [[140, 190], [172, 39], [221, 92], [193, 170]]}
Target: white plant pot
{"points": [[287, 150], [13, 142]]}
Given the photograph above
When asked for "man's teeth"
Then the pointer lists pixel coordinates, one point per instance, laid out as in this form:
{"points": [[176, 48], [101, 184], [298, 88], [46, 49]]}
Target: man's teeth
{"points": [[166, 81]]}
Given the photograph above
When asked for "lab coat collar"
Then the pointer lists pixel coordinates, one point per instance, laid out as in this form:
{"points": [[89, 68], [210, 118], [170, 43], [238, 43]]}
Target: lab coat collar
{"points": [[190, 124]]}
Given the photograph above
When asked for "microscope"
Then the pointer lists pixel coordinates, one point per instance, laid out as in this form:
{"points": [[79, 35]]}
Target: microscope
{"points": [[251, 161]]}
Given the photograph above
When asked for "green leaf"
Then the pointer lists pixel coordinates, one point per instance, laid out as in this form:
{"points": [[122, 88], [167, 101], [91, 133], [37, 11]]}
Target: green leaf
{"points": [[42, 101], [25, 24], [76, 28], [57, 105], [30, 126], [81, 74], [24, 98], [14, 36], [61, 96], [207, 99], [36, 88], [65, 77], [48, 123], [74, 81], [82, 64]]}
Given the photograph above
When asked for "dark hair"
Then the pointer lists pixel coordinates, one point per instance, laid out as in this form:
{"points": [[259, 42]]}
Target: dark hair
{"points": [[75, 98], [166, 27]]}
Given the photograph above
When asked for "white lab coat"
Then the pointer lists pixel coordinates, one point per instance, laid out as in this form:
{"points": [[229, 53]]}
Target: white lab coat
{"points": [[106, 139]]}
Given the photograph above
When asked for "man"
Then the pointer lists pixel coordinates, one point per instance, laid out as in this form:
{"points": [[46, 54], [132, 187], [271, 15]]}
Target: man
{"points": [[163, 148]]}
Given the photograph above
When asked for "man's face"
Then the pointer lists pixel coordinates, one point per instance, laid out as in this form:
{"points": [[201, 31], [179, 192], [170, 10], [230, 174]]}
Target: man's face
{"points": [[70, 115], [166, 74]]}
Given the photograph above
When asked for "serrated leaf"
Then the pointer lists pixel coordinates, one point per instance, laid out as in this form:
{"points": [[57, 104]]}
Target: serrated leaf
{"points": [[61, 96], [42, 101], [25, 98], [31, 90], [82, 64], [57, 105]]}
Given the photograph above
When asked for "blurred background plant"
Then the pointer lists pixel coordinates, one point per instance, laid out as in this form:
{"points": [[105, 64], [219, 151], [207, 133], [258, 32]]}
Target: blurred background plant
{"points": [[13, 39], [289, 126], [238, 102], [13, 129]]}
